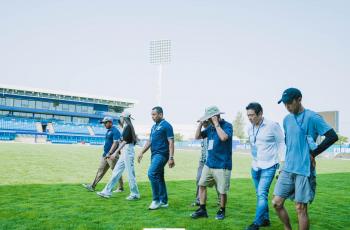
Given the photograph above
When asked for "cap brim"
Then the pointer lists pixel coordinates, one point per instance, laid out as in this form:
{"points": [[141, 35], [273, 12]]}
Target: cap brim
{"points": [[204, 118]]}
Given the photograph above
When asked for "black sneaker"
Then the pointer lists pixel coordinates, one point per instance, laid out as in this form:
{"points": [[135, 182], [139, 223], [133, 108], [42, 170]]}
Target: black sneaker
{"points": [[253, 226], [199, 213], [220, 215], [266, 223]]}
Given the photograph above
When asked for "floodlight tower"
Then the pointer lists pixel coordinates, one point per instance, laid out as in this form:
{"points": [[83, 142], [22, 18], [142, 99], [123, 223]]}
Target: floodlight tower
{"points": [[160, 55]]}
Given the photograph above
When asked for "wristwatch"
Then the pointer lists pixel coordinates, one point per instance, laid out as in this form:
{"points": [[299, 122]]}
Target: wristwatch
{"points": [[171, 158]]}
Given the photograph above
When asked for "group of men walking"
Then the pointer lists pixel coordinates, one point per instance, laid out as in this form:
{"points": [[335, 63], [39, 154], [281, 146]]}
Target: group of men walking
{"points": [[292, 153]]}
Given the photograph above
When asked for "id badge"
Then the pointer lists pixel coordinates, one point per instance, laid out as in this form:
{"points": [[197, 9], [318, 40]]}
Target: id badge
{"points": [[254, 151], [210, 144]]}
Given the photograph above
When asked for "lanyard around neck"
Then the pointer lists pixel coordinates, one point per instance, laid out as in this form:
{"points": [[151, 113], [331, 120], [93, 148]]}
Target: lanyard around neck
{"points": [[256, 134]]}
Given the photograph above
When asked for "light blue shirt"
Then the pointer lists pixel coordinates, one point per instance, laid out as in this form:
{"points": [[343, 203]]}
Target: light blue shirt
{"points": [[298, 152], [269, 144]]}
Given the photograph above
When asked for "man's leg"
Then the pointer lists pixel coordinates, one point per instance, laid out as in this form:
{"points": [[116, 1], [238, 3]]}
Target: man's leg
{"points": [[223, 200], [163, 194], [199, 173], [303, 217], [153, 175], [202, 195], [102, 169], [262, 209], [278, 204]]}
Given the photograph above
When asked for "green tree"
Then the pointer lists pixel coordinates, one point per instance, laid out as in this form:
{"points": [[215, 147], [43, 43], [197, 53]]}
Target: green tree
{"points": [[178, 137], [341, 139], [238, 126]]}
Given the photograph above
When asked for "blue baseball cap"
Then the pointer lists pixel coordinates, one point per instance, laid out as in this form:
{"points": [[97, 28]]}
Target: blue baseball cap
{"points": [[289, 95]]}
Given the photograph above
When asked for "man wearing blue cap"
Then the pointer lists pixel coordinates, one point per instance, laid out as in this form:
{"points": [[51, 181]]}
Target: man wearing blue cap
{"points": [[297, 180], [111, 143]]}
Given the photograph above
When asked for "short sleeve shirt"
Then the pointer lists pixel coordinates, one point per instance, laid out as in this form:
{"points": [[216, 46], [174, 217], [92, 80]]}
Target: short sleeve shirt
{"points": [[296, 127], [112, 134], [160, 134], [219, 152]]}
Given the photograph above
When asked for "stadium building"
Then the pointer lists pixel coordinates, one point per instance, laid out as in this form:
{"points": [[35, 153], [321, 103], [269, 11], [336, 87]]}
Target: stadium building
{"points": [[34, 115]]}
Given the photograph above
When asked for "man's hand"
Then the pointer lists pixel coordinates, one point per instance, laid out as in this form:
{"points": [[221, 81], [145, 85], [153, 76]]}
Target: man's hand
{"points": [[139, 157], [112, 157], [313, 161], [171, 163], [215, 120]]}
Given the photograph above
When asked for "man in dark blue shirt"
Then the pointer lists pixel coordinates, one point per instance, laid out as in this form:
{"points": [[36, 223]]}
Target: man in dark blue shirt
{"points": [[111, 143], [161, 143], [217, 169]]}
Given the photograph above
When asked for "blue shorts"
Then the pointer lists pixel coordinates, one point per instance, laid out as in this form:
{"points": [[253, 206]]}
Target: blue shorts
{"points": [[299, 188]]}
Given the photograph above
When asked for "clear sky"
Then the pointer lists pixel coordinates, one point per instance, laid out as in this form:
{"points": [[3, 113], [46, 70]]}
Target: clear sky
{"points": [[226, 53]]}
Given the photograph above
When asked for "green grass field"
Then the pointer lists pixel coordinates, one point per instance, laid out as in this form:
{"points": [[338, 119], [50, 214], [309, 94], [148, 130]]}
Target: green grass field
{"points": [[40, 188]]}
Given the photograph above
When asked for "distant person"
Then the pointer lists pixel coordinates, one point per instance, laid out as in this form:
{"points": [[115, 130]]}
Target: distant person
{"points": [[161, 143], [202, 160], [126, 160], [297, 180], [218, 166], [267, 144], [111, 144]]}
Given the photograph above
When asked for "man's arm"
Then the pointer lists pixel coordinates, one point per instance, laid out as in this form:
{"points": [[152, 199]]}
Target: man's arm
{"points": [[120, 147], [113, 148], [199, 131], [330, 138], [171, 161], [221, 133]]}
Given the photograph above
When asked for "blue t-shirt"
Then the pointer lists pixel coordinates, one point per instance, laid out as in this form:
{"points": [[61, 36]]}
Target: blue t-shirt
{"points": [[296, 127], [219, 152], [160, 133], [112, 134]]}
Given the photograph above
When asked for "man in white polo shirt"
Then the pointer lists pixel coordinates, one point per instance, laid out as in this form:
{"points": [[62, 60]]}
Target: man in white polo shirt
{"points": [[267, 144]]}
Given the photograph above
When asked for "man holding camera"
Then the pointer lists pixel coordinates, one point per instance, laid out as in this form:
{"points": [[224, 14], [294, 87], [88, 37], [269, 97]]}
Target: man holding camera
{"points": [[218, 166]]}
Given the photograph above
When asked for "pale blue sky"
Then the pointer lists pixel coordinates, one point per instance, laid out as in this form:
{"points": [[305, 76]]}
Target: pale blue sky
{"points": [[226, 53]]}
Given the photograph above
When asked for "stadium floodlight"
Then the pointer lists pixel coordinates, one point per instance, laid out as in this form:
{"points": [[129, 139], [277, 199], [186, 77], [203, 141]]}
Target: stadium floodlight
{"points": [[160, 54]]}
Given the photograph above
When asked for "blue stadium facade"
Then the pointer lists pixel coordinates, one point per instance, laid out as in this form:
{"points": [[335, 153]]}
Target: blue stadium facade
{"points": [[55, 117]]}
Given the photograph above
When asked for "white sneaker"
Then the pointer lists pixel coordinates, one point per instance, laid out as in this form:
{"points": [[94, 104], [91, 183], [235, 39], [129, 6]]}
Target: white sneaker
{"points": [[118, 190], [163, 205], [154, 205], [104, 195], [133, 197]]}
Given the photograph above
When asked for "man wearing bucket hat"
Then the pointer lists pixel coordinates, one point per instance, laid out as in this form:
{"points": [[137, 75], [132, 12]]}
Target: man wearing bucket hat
{"points": [[297, 180], [111, 144], [126, 160], [218, 165]]}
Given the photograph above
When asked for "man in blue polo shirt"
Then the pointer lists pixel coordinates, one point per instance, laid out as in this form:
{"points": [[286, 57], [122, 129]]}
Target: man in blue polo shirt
{"points": [[217, 169], [297, 180], [111, 143], [162, 148]]}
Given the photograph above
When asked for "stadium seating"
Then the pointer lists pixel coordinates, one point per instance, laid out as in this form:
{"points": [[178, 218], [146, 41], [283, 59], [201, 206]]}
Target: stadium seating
{"points": [[70, 128], [19, 124], [98, 129]]}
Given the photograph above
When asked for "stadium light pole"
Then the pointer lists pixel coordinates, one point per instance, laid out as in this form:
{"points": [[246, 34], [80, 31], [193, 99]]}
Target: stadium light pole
{"points": [[160, 55]]}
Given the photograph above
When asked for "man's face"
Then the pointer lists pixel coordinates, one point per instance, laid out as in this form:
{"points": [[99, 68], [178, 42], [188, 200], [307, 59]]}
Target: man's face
{"points": [[293, 106], [156, 117], [253, 117], [108, 124]]}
